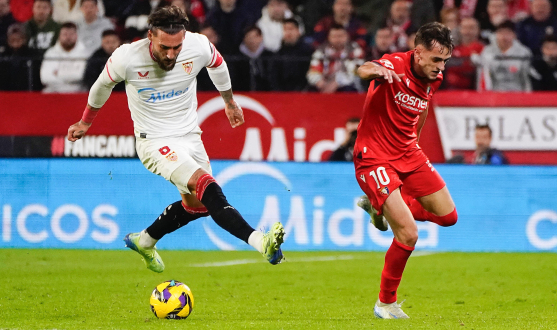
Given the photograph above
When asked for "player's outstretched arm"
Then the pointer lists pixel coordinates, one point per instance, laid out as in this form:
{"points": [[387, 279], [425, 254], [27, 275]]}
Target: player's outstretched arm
{"points": [[79, 129], [232, 109], [370, 71]]}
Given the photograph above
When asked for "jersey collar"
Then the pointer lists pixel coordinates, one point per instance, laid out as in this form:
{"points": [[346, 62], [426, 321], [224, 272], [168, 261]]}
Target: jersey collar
{"points": [[151, 51]]}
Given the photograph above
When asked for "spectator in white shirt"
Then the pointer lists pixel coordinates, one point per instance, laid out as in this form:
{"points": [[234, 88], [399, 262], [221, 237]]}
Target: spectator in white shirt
{"points": [[92, 25], [70, 10], [64, 63]]}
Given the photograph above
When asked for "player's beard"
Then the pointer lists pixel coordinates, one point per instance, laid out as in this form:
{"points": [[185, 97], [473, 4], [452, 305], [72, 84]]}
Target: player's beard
{"points": [[165, 65]]}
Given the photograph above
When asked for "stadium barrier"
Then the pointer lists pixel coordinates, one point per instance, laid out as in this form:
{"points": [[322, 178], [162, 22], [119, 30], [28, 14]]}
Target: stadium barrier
{"points": [[284, 126], [92, 204]]}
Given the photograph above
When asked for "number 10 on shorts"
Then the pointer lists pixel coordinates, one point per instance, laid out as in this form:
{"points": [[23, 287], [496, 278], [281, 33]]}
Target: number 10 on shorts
{"points": [[380, 176]]}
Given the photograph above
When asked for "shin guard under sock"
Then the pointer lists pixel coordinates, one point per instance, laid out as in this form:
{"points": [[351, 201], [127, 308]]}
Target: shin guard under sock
{"points": [[174, 216], [224, 214], [395, 261]]}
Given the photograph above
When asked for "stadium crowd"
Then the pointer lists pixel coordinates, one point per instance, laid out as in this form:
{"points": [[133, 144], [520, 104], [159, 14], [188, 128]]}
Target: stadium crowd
{"points": [[61, 46]]}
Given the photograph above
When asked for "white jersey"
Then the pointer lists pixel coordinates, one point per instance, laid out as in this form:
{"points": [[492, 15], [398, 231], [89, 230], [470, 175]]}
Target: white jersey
{"points": [[162, 103]]}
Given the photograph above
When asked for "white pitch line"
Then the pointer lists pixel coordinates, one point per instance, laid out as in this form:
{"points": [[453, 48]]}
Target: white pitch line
{"points": [[309, 259]]}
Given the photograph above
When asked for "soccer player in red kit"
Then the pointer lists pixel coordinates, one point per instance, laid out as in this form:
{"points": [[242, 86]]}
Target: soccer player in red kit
{"points": [[400, 183]]}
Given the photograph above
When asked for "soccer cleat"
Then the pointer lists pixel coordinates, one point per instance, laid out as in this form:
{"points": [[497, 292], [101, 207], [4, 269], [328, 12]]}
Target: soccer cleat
{"points": [[389, 311], [271, 244], [377, 220], [150, 256]]}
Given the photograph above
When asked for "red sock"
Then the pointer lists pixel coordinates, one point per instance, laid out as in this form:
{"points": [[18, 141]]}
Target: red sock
{"points": [[395, 261], [420, 214]]}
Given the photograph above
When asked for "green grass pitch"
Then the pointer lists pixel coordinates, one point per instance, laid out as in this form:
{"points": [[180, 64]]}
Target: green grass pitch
{"points": [[87, 289]]}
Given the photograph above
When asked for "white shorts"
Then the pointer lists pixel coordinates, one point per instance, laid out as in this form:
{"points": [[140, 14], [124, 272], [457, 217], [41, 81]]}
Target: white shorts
{"points": [[164, 156]]}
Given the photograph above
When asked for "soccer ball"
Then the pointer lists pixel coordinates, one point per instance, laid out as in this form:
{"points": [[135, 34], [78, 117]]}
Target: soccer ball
{"points": [[172, 300]]}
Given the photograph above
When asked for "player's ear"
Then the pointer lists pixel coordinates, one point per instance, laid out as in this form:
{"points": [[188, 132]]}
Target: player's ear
{"points": [[150, 35], [418, 51]]}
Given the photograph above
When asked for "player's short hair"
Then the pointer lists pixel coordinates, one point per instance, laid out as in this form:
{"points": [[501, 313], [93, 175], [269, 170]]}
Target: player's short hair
{"points": [[291, 20], [107, 33], [433, 32], [484, 126], [508, 24], [253, 28], [549, 38], [169, 19], [68, 25]]}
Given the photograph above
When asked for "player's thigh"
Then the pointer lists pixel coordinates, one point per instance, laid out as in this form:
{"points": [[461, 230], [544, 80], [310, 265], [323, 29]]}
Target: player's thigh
{"points": [[400, 219], [377, 181], [169, 158], [428, 187], [439, 203]]}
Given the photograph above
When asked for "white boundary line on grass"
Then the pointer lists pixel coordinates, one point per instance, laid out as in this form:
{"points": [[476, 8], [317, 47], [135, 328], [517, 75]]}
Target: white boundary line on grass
{"points": [[309, 259]]}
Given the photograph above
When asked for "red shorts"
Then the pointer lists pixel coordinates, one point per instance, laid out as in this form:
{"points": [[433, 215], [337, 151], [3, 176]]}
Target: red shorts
{"points": [[412, 172]]}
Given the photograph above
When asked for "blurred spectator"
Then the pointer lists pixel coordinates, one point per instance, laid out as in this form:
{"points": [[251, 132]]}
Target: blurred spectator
{"points": [[270, 23], [251, 71], [344, 153], [230, 18], [485, 154], [211, 34], [460, 71], [544, 70], [6, 19], [333, 65], [70, 10], [533, 29], [92, 25], [399, 22], [451, 19], [343, 16], [95, 64], [64, 63], [505, 64], [41, 30], [292, 64], [14, 68], [384, 44], [136, 24], [118, 11], [411, 41], [311, 11], [497, 12], [22, 10], [193, 25]]}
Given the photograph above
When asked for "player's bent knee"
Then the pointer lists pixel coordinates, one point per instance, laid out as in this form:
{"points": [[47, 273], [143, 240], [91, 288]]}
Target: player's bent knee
{"points": [[449, 219], [202, 183]]}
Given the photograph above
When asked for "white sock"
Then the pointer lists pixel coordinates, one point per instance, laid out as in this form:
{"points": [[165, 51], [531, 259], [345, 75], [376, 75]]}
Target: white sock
{"points": [[256, 240], [146, 241]]}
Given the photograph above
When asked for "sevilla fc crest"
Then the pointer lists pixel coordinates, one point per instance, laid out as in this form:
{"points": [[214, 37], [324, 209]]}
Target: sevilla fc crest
{"points": [[188, 66]]}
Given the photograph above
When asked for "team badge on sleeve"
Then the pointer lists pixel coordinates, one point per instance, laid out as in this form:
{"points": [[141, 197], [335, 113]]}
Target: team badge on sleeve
{"points": [[188, 66], [387, 64]]}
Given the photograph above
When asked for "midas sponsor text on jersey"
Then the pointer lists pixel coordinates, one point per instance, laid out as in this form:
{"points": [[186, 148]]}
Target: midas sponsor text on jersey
{"points": [[412, 101], [154, 96]]}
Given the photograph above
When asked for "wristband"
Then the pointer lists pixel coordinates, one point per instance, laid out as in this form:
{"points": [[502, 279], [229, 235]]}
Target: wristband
{"points": [[89, 115]]}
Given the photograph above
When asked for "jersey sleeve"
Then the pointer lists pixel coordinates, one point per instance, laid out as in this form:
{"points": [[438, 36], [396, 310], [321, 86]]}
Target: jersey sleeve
{"points": [[116, 65], [214, 58], [391, 62], [114, 72]]}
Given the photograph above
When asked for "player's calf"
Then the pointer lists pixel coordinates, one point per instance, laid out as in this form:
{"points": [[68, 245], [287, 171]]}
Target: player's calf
{"points": [[174, 216]]}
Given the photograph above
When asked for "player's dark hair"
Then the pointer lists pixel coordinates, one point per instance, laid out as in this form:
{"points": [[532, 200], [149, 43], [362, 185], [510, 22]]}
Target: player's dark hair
{"points": [[433, 32], [549, 38], [291, 20], [109, 33], [508, 24], [253, 28], [169, 19], [484, 126], [336, 26], [68, 25], [95, 1]]}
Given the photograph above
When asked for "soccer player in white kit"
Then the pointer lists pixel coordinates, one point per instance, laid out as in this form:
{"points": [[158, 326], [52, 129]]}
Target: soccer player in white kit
{"points": [[160, 74]]}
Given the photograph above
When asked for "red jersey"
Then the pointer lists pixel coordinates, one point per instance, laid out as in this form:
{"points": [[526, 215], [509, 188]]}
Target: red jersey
{"points": [[391, 111]]}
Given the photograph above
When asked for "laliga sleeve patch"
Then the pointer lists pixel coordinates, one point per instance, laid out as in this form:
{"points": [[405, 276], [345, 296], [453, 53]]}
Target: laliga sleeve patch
{"points": [[387, 64]]}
